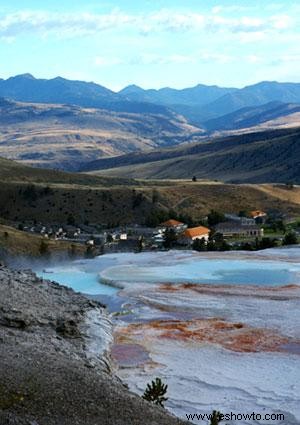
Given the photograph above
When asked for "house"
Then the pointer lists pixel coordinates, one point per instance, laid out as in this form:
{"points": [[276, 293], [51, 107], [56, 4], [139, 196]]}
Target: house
{"points": [[257, 214], [234, 230], [193, 233], [158, 238], [175, 225], [244, 221]]}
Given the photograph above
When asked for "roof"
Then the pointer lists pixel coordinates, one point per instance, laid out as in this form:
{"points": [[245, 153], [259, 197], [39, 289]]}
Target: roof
{"points": [[193, 232], [228, 227], [257, 213], [171, 223]]}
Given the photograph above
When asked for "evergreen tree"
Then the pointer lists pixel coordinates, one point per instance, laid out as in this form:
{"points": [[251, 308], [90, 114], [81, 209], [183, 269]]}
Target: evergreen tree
{"points": [[155, 392], [199, 245], [290, 239], [170, 238], [44, 249], [216, 418]]}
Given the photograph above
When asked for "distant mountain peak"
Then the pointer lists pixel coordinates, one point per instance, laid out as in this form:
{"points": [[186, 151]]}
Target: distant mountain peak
{"points": [[27, 76], [58, 78], [132, 88]]}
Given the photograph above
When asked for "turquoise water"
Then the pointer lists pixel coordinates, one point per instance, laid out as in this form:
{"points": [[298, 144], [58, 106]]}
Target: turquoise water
{"points": [[80, 281], [177, 267], [213, 271]]}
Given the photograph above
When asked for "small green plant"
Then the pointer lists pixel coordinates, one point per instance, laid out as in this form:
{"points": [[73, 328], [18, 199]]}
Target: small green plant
{"points": [[216, 418], [290, 239], [155, 392], [44, 249]]}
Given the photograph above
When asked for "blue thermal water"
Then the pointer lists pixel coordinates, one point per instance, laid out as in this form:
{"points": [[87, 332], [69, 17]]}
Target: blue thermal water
{"points": [[79, 280], [214, 271]]}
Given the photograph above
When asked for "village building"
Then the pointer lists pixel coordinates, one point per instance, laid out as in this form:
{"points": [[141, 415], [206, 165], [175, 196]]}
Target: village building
{"points": [[244, 221], [234, 230], [193, 233], [257, 214], [175, 225]]}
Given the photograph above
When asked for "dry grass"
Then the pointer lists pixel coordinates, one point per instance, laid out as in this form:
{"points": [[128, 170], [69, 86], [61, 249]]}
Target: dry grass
{"points": [[282, 192], [16, 242]]}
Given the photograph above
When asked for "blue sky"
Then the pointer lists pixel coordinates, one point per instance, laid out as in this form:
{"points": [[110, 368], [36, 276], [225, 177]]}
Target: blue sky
{"points": [[152, 43]]}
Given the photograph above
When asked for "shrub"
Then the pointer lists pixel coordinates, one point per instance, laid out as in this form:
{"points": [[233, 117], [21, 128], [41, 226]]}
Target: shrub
{"points": [[44, 249], [30, 193], [199, 245], [170, 238], [216, 418], [71, 220], [290, 239], [155, 392], [215, 217]]}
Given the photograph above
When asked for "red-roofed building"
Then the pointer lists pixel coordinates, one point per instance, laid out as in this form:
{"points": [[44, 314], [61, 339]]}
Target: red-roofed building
{"points": [[176, 225], [258, 214], [194, 233]]}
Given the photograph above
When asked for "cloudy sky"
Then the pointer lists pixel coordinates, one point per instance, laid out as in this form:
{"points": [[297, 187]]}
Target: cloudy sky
{"points": [[152, 43]]}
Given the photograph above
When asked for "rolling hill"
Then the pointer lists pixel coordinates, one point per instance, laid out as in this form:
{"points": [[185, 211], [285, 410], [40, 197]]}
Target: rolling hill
{"points": [[269, 115], [270, 156], [51, 197], [66, 137], [13, 172]]}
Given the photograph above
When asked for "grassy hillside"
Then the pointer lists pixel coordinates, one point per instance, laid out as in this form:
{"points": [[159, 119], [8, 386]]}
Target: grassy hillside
{"points": [[64, 136], [272, 115], [272, 156], [51, 197], [11, 171], [14, 242], [124, 205]]}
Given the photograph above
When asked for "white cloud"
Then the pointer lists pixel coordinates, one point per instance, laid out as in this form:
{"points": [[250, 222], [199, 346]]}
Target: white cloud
{"points": [[215, 57], [7, 39], [253, 59], [107, 61], [251, 37], [216, 9], [164, 20], [61, 24], [154, 59], [281, 22]]}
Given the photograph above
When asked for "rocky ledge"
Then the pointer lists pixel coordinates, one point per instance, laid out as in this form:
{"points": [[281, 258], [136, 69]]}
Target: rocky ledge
{"points": [[54, 360]]}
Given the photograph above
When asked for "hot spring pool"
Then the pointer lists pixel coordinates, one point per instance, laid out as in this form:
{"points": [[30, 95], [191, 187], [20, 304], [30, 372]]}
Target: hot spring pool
{"points": [[79, 280]]}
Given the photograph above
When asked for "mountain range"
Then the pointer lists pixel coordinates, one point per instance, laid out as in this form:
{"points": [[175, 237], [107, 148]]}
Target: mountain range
{"points": [[198, 104], [77, 125]]}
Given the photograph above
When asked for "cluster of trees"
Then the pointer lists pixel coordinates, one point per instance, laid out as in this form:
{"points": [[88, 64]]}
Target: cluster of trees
{"points": [[217, 242], [31, 193], [215, 217]]}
